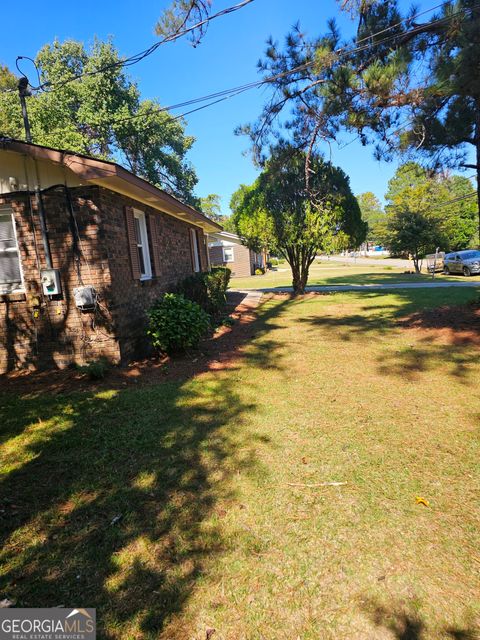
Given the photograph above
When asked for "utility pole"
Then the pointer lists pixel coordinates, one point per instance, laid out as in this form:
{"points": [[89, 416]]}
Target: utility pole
{"points": [[24, 92]]}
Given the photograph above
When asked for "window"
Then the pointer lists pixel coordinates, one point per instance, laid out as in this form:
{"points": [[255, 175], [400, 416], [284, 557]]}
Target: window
{"points": [[10, 269], [142, 245], [228, 254], [195, 251]]}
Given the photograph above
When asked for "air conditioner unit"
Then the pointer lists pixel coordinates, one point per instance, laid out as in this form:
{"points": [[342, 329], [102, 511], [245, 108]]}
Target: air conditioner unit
{"points": [[85, 298]]}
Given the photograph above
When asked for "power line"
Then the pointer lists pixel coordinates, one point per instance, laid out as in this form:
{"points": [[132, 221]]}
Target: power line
{"points": [[220, 96], [143, 54], [134, 59], [254, 84], [468, 195]]}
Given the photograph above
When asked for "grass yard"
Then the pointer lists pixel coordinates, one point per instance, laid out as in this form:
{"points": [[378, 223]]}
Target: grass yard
{"points": [[333, 272], [198, 502]]}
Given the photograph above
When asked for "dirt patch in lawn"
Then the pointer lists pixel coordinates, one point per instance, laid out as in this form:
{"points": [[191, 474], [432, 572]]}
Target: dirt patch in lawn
{"points": [[218, 351], [459, 324]]}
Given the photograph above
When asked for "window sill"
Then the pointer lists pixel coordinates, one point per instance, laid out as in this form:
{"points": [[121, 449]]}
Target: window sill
{"points": [[15, 296]]}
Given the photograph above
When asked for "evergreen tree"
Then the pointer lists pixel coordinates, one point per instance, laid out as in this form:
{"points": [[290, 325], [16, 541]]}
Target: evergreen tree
{"points": [[402, 83]]}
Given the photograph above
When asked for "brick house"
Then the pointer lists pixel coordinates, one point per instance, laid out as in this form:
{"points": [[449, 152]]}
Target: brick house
{"points": [[227, 250], [85, 248]]}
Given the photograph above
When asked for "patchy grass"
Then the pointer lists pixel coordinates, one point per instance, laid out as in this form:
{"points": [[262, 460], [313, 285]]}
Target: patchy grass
{"points": [[333, 273], [175, 507]]}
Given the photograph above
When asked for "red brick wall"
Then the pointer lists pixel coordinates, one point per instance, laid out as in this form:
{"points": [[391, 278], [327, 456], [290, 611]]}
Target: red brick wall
{"points": [[39, 332], [130, 298]]}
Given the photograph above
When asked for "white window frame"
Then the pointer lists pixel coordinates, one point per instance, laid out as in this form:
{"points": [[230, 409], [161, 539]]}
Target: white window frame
{"points": [[142, 244], [4, 287], [196, 257], [225, 259]]}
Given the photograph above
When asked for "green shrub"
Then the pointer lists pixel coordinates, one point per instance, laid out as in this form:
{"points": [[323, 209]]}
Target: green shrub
{"points": [[259, 272], [95, 370], [176, 324], [207, 289], [217, 284], [194, 288]]}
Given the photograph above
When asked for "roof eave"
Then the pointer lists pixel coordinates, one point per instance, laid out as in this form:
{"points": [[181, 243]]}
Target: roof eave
{"points": [[115, 177]]}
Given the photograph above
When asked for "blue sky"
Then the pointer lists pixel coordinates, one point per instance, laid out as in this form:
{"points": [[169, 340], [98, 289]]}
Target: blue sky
{"points": [[226, 58]]}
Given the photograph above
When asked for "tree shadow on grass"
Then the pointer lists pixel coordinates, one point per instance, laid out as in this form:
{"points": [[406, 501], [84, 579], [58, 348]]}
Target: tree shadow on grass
{"points": [[436, 340], [113, 499], [405, 623]]}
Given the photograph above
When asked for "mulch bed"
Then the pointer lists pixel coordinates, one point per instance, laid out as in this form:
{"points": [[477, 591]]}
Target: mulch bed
{"points": [[219, 351]]}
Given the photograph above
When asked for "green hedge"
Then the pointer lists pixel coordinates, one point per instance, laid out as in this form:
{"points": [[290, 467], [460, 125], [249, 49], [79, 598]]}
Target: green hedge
{"points": [[207, 289]]}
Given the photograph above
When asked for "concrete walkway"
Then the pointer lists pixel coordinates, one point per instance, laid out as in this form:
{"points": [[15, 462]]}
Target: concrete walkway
{"points": [[364, 287]]}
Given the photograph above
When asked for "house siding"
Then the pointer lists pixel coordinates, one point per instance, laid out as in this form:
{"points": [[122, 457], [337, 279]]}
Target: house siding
{"points": [[242, 264], [39, 332]]}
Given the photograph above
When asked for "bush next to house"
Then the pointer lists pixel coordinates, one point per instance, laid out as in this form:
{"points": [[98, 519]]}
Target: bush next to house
{"points": [[176, 323], [207, 289], [217, 281]]}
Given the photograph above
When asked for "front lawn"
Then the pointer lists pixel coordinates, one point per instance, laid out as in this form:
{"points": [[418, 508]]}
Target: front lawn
{"points": [[325, 272], [205, 502]]}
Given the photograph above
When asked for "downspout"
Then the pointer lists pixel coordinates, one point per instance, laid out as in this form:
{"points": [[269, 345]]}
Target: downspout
{"points": [[43, 226]]}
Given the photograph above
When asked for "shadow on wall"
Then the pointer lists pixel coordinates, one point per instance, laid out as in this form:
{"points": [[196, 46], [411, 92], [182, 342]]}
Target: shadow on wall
{"points": [[111, 499], [55, 333]]}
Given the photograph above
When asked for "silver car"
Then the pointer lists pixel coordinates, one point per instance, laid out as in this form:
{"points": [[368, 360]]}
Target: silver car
{"points": [[466, 262]]}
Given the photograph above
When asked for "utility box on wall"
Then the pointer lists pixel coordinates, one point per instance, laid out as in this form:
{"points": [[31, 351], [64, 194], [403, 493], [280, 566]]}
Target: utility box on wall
{"points": [[85, 298], [51, 283]]}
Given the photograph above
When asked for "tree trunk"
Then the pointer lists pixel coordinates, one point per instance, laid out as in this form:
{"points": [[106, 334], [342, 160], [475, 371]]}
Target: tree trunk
{"points": [[415, 262], [300, 276]]}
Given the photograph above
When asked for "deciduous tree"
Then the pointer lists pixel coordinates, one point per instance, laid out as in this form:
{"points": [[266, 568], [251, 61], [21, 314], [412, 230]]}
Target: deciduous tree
{"points": [[440, 199], [302, 223], [372, 214], [102, 114]]}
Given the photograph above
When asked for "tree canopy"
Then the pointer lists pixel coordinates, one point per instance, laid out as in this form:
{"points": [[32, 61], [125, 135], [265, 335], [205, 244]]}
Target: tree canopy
{"points": [[251, 220], [440, 198], [411, 232], [101, 114], [372, 214]]}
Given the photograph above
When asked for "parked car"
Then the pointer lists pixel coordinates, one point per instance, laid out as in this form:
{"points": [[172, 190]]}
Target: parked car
{"points": [[466, 262]]}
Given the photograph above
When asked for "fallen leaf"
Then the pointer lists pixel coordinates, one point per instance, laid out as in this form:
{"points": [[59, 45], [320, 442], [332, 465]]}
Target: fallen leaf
{"points": [[420, 500]]}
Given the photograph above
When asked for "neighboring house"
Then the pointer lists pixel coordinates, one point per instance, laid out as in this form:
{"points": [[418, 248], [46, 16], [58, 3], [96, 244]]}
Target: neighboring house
{"points": [[85, 248], [226, 249]]}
